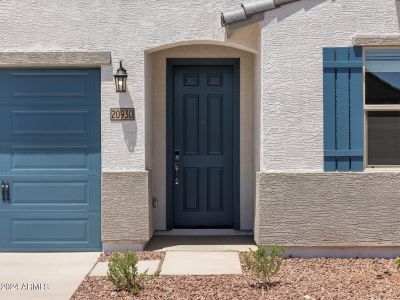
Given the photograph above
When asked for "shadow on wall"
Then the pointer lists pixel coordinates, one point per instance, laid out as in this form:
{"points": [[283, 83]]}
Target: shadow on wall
{"points": [[129, 128], [292, 8], [125, 100]]}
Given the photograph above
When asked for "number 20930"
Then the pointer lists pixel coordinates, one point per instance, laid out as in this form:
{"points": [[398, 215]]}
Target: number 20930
{"points": [[126, 114]]}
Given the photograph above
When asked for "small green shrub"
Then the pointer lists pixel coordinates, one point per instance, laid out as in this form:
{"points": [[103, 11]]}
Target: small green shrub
{"points": [[123, 272], [398, 262], [265, 263]]}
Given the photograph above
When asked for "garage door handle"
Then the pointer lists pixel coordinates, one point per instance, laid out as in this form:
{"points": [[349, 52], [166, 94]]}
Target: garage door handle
{"points": [[7, 192], [3, 190]]}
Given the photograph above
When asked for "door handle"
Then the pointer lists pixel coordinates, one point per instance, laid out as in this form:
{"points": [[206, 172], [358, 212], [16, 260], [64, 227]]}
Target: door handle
{"points": [[3, 191], [176, 166], [7, 192]]}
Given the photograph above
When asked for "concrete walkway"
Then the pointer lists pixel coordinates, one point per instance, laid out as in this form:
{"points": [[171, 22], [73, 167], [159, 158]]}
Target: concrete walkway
{"points": [[201, 255], [185, 263], [44, 276], [148, 266], [201, 263]]}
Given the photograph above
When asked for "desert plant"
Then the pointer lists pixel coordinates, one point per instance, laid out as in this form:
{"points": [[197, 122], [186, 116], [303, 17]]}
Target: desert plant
{"points": [[123, 272], [265, 263], [398, 262]]}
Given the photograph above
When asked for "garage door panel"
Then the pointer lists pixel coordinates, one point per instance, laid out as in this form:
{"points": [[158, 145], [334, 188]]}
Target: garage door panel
{"points": [[49, 83], [50, 231], [56, 193], [52, 193], [50, 122], [49, 86], [49, 157]]}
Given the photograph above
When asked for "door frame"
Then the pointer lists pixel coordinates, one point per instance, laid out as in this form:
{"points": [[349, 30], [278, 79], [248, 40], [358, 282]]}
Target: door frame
{"points": [[171, 63]]}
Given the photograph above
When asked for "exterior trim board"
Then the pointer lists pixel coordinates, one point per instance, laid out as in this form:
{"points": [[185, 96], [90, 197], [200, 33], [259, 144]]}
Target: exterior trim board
{"points": [[376, 40], [36, 59]]}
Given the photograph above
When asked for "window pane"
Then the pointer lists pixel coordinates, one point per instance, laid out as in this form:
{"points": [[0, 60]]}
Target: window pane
{"points": [[384, 138], [382, 77], [382, 88]]}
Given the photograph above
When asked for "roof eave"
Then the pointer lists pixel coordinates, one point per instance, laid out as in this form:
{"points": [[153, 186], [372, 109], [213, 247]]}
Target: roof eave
{"points": [[250, 9]]}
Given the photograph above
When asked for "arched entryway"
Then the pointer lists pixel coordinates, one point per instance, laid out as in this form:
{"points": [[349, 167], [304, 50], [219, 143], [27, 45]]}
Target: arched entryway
{"points": [[189, 54]]}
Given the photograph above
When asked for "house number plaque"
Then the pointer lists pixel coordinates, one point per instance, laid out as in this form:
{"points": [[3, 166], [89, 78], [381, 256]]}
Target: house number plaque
{"points": [[122, 114]]}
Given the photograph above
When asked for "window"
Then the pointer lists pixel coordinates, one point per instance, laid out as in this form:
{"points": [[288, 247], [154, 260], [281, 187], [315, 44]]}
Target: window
{"points": [[382, 107]]}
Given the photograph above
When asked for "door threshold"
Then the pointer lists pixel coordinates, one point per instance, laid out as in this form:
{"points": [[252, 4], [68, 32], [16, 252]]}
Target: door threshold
{"points": [[189, 232]]}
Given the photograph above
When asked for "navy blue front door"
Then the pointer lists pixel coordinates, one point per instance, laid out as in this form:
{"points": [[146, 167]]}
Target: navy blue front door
{"points": [[203, 146], [50, 157]]}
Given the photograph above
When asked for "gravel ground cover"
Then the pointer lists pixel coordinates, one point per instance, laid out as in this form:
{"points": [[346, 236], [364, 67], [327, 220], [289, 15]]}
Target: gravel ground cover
{"points": [[298, 279], [143, 255]]}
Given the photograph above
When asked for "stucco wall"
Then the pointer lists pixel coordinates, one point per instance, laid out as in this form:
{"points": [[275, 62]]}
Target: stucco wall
{"points": [[127, 29], [157, 83], [297, 205], [126, 207], [292, 41], [328, 209]]}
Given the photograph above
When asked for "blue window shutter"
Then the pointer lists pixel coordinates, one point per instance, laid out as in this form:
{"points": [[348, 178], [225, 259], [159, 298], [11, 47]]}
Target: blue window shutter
{"points": [[343, 109]]}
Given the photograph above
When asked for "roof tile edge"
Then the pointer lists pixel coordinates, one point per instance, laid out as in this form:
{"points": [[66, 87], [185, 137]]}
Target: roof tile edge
{"points": [[249, 9]]}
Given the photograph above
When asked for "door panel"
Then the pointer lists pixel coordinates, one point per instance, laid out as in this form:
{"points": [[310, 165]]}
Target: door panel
{"points": [[50, 231], [191, 125], [50, 155], [203, 135], [55, 193], [48, 86]]}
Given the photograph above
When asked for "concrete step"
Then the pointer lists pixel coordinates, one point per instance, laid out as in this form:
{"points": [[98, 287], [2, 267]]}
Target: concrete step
{"points": [[201, 243]]}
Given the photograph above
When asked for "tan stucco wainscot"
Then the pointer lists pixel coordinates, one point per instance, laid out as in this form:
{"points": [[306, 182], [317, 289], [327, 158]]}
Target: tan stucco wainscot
{"points": [[126, 211], [335, 211]]}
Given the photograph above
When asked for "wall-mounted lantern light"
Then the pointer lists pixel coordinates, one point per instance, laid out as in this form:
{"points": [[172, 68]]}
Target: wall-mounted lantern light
{"points": [[120, 79]]}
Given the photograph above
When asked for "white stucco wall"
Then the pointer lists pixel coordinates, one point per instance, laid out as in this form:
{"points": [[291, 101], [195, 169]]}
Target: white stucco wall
{"points": [[127, 28], [292, 41]]}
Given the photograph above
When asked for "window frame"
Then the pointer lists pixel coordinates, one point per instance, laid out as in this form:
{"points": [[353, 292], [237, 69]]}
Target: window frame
{"points": [[375, 107]]}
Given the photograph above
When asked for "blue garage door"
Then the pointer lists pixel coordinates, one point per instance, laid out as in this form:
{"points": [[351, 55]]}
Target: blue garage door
{"points": [[50, 157]]}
